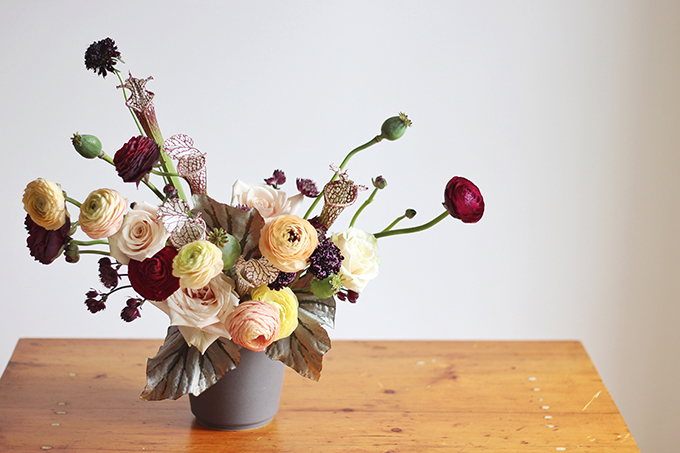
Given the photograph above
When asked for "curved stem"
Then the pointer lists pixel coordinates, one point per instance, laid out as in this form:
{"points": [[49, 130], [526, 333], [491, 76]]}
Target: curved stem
{"points": [[95, 242], [72, 201], [397, 220], [361, 208], [373, 141], [414, 229], [94, 252]]}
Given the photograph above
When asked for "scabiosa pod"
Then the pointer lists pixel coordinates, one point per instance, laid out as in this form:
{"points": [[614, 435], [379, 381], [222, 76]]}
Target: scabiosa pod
{"points": [[379, 183], [102, 56]]}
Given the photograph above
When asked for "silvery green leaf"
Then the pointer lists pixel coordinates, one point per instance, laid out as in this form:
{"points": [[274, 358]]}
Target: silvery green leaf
{"points": [[244, 225], [178, 369], [323, 310], [303, 350]]}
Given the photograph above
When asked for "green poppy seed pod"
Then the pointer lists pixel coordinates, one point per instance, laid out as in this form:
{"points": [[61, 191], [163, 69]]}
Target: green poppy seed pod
{"points": [[87, 146], [395, 127], [230, 251], [323, 289]]}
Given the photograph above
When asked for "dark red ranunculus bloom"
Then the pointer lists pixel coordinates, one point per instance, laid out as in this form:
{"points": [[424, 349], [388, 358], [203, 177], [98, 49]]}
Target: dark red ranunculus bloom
{"points": [[46, 245], [136, 158], [152, 278], [463, 200]]}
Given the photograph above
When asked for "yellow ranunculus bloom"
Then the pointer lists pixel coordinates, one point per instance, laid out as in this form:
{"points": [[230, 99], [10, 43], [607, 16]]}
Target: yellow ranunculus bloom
{"points": [[102, 212], [197, 263], [287, 303], [44, 202]]}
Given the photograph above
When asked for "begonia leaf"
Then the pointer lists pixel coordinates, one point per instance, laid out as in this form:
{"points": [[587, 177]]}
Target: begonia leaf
{"points": [[178, 369]]}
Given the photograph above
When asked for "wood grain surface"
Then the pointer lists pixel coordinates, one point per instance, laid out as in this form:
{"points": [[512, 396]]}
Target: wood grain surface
{"points": [[373, 396]]}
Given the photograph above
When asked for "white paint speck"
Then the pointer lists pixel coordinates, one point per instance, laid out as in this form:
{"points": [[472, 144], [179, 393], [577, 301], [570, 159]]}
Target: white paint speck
{"points": [[56, 424], [45, 447], [532, 378], [72, 375], [61, 412], [548, 417], [540, 399], [61, 404], [420, 363], [545, 407], [560, 449], [536, 389], [549, 426]]}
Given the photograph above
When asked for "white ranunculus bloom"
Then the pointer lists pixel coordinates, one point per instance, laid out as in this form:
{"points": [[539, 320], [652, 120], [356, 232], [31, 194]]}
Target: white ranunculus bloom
{"points": [[268, 201], [361, 261], [140, 236], [201, 314]]}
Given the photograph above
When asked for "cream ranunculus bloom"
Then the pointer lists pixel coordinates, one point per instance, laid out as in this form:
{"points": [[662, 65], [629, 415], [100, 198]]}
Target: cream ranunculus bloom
{"points": [[101, 214], [268, 201], [201, 314], [287, 303], [44, 202], [197, 263], [140, 236], [361, 260]]}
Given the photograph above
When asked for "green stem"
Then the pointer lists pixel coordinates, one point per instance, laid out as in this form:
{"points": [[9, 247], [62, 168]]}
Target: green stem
{"points": [[414, 229], [72, 201], [361, 208], [342, 167], [94, 252], [397, 220], [100, 241], [134, 117], [162, 173], [118, 288]]}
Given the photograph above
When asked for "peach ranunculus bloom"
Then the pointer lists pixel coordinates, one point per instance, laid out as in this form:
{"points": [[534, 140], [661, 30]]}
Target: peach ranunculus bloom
{"points": [[286, 302], [140, 236], [197, 263], [268, 201], [44, 201], [101, 214], [288, 241], [254, 324], [201, 314]]}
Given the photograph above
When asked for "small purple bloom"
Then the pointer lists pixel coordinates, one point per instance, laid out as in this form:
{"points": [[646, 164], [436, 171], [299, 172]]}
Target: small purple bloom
{"points": [[277, 179], [282, 280], [326, 260], [102, 56], [307, 187], [107, 274], [95, 301], [131, 310]]}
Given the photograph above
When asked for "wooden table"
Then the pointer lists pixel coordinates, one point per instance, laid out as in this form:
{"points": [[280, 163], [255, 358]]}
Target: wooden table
{"points": [[374, 396]]}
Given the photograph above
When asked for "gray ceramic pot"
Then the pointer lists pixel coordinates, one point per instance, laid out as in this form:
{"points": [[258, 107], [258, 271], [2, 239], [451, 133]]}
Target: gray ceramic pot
{"points": [[245, 398]]}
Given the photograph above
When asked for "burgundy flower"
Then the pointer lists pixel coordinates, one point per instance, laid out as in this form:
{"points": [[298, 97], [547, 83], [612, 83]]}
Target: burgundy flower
{"points": [[46, 245], [326, 260], [102, 56], [463, 200], [131, 311], [277, 179], [107, 274], [95, 301], [350, 296], [136, 158], [282, 280], [152, 278], [307, 187]]}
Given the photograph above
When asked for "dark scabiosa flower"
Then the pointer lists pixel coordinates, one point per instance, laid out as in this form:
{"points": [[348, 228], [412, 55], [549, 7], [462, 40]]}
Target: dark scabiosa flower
{"points": [[170, 192], [46, 245], [102, 56], [282, 280], [136, 158], [326, 260], [131, 311], [107, 274], [95, 301], [463, 200], [307, 187], [277, 179]]}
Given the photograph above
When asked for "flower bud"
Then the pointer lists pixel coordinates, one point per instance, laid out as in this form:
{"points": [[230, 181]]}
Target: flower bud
{"points": [[394, 127], [71, 253], [379, 182], [87, 146], [410, 213]]}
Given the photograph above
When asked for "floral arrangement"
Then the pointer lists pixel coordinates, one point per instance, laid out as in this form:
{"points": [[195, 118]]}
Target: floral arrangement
{"points": [[249, 274]]}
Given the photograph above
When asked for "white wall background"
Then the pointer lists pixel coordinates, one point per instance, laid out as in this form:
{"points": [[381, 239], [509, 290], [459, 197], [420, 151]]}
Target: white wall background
{"points": [[565, 113]]}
